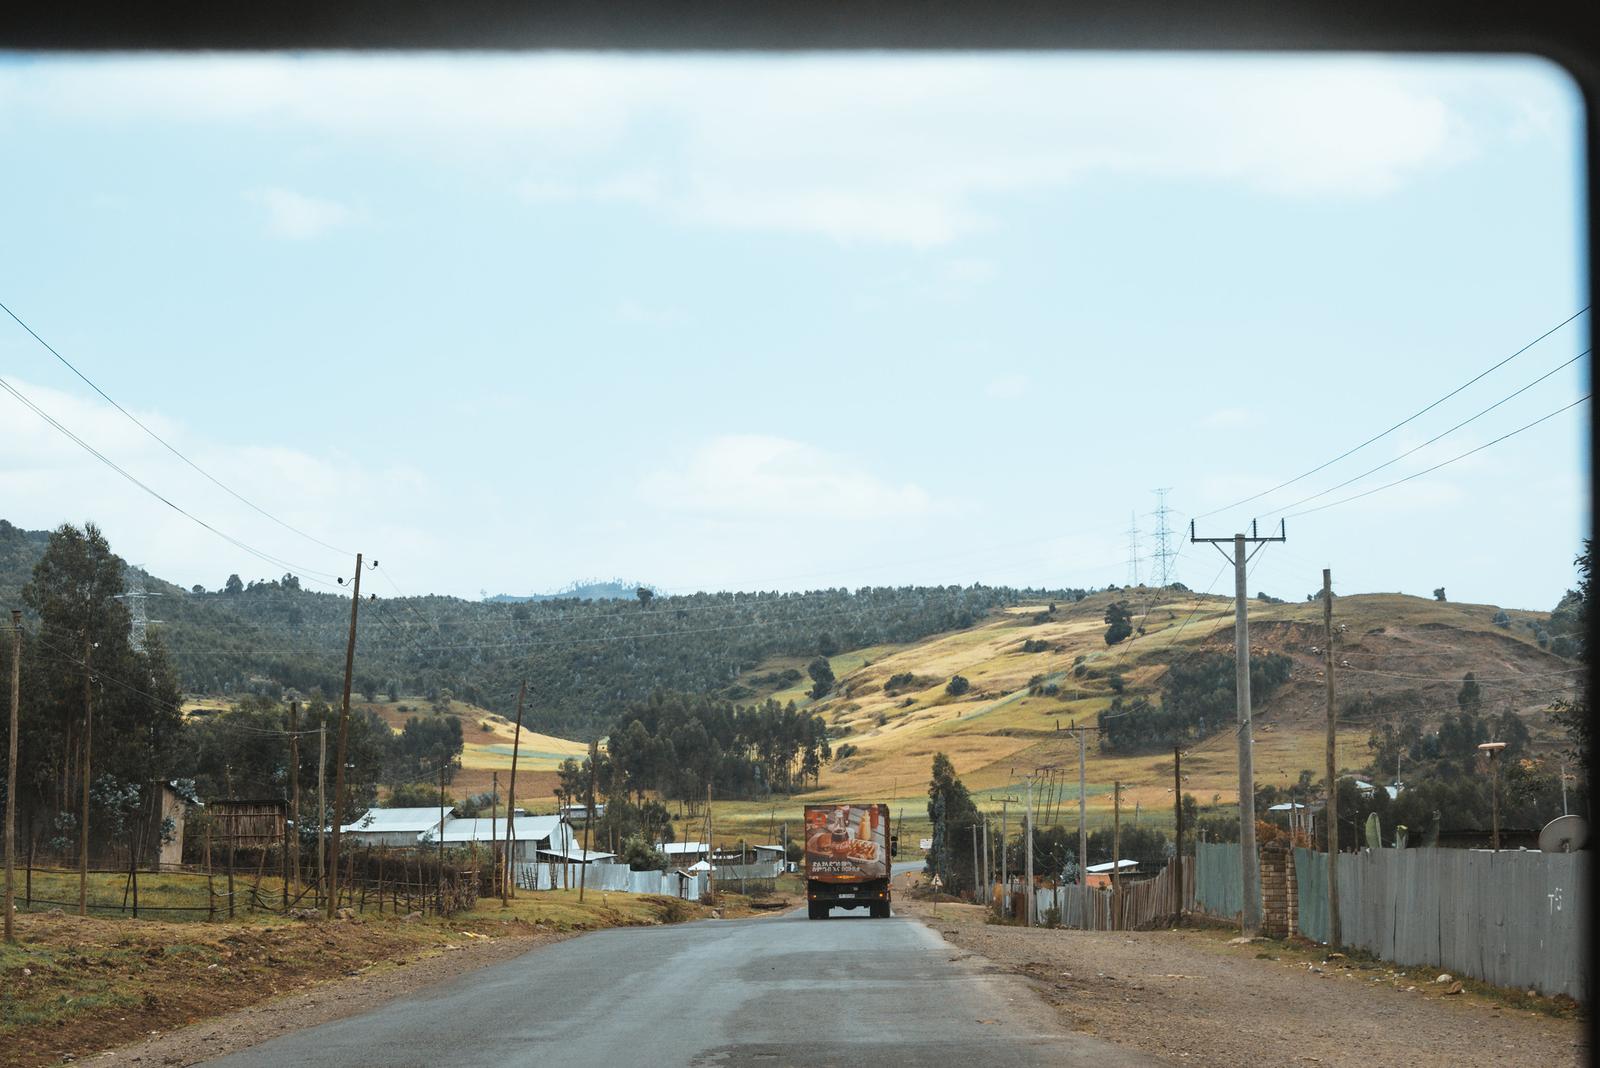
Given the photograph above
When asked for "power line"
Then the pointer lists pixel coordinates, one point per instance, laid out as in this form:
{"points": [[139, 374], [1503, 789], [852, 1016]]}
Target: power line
{"points": [[98, 455], [1445, 463], [1401, 423], [1436, 437], [163, 441]]}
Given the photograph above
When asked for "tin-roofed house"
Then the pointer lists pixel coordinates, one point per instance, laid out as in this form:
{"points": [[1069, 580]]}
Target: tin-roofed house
{"points": [[530, 835], [396, 828]]}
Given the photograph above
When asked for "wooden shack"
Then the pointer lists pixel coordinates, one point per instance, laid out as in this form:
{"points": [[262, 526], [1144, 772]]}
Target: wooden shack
{"points": [[248, 824]]}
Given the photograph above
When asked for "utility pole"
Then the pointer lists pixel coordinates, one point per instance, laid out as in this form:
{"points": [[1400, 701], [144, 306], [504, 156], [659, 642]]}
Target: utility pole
{"points": [[1249, 861], [1133, 550], [507, 888], [494, 820], [88, 754], [1083, 832], [322, 807], [1165, 572], [588, 821], [977, 874], [1116, 850], [1493, 750], [294, 790], [1005, 872], [344, 737], [10, 777], [1332, 815], [1177, 819], [443, 760], [1028, 849], [988, 864]]}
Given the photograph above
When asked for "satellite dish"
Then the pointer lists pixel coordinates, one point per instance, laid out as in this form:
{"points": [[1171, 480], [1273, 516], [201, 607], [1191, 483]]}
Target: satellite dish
{"points": [[1564, 834]]}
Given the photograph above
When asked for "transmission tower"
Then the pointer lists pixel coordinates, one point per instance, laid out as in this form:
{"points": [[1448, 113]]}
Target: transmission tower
{"points": [[1133, 550], [138, 617], [1166, 566]]}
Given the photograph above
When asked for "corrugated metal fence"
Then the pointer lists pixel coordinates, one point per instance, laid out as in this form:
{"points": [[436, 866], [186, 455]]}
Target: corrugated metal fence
{"points": [[1513, 918], [1142, 904], [615, 878]]}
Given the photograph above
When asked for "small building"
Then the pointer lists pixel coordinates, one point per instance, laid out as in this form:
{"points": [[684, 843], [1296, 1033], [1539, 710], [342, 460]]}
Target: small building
{"points": [[529, 834], [396, 828], [572, 853], [248, 824], [167, 815], [1100, 874], [579, 814], [683, 854]]}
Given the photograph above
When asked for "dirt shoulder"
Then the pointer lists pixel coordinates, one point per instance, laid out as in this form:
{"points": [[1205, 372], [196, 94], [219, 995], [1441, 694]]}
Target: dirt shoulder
{"points": [[79, 989], [1190, 996]]}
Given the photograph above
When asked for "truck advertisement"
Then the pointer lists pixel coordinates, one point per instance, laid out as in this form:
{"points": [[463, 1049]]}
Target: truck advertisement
{"points": [[847, 843]]}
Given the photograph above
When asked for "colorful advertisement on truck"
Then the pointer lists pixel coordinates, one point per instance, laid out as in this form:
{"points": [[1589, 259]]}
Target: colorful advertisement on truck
{"points": [[847, 858]]}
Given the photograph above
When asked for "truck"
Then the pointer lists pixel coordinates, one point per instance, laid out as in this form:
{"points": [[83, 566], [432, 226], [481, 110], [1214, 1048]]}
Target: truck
{"points": [[847, 859]]}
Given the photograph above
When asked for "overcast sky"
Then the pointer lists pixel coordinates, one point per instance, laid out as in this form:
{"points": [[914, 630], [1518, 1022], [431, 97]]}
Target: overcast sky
{"points": [[792, 322]]}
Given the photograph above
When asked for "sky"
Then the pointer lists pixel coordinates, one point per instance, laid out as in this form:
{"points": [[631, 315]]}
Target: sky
{"points": [[799, 321]]}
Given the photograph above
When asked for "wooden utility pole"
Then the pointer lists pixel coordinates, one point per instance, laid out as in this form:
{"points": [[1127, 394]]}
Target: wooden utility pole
{"points": [[442, 762], [508, 889], [1249, 860], [1177, 819], [344, 738], [588, 820], [294, 789], [88, 755], [1116, 851], [494, 820], [1028, 849], [322, 808], [1083, 830], [988, 864], [11, 775], [1332, 815]]}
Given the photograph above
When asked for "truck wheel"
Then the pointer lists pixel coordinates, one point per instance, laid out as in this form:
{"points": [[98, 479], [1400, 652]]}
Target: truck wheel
{"points": [[880, 912], [816, 912]]}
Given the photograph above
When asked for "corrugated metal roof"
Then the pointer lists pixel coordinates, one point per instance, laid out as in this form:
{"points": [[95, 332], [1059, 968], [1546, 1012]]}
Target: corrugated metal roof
{"points": [[678, 848], [396, 820], [486, 829], [1096, 869], [573, 852]]}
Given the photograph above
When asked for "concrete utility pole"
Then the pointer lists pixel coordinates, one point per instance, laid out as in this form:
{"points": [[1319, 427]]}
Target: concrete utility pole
{"points": [[1249, 861], [1028, 849], [1332, 814], [1116, 850], [588, 821], [10, 777], [88, 754], [344, 738], [977, 873]]}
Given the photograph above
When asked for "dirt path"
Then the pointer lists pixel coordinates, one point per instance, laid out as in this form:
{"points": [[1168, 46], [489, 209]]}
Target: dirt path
{"points": [[1191, 997]]}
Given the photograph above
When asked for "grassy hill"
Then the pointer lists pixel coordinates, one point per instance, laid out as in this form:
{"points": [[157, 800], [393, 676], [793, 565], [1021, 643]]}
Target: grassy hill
{"points": [[1411, 649]]}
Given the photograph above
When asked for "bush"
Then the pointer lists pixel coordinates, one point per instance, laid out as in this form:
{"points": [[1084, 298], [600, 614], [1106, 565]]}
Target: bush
{"points": [[845, 752], [957, 685], [1120, 622], [899, 682]]}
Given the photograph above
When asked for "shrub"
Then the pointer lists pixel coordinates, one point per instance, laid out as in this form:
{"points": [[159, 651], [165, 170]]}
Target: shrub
{"points": [[957, 685]]}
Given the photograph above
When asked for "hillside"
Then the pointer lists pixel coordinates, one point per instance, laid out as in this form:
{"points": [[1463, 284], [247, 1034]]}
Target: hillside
{"points": [[582, 659], [1409, 651]]}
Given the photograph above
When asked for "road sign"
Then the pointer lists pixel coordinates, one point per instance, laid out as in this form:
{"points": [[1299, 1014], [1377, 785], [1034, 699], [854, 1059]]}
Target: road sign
{"points": [[937, 882], [925, 843]]}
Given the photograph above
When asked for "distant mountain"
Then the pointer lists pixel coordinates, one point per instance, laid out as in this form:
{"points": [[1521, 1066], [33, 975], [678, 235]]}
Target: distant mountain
{"points": [[581, 590]]}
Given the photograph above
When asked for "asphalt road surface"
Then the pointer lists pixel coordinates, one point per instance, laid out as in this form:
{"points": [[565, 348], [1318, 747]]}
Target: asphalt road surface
{"points": [[851, 992]]}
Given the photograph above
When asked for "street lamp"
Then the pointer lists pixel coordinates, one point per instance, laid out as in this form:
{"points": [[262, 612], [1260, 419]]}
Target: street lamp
{"points": [[1493, 749]]}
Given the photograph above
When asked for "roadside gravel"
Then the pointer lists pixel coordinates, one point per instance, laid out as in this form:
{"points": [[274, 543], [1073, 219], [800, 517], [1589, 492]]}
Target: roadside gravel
{"points": [[1190, 996]]}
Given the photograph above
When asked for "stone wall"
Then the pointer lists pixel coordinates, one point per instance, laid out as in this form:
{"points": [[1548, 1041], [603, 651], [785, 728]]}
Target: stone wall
{"points": [[1280, 893]]}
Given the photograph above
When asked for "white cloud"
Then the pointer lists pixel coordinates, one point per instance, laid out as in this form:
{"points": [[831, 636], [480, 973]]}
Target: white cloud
{"points": [[755, 475], [298, 217], [46, 480], [913, 150]]}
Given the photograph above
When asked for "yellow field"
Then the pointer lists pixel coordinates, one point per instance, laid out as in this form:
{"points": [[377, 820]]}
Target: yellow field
{"points": [[997, 733]]}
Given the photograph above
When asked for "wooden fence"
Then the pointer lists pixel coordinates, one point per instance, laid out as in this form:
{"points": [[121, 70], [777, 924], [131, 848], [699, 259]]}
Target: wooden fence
{"points": [[1137, 906]]}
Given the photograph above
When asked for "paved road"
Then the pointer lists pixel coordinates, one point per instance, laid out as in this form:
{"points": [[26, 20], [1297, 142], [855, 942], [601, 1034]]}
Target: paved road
{"points": [[772, 992]]}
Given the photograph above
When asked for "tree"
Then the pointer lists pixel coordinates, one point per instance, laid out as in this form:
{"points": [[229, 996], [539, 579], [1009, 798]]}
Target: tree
{"points": [[1500, 618], [233, 585], [1438, 594], [957, 685], [197, 588], [1120, 622], [827, 645], [821, 673], [1573, 714], [953, 814], [1470, 697], [645, 595]]}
